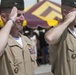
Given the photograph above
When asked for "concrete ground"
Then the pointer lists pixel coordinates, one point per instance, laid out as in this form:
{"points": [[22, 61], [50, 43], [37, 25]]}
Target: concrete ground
{"points": [[49, 73], [43, 70]]}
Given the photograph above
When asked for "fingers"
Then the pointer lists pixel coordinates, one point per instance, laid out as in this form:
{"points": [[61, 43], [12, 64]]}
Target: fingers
{"points": [[13, 13], [70, 17], [74, 9], [71, 14]]}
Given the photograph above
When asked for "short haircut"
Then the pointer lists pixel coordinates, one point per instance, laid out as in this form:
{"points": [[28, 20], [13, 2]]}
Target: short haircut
{"points": [[71, 3], [10, 3]]}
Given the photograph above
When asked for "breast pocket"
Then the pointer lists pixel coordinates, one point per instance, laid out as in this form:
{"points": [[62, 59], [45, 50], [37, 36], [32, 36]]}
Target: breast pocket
{"points": [[16, 64], [71, 54]]}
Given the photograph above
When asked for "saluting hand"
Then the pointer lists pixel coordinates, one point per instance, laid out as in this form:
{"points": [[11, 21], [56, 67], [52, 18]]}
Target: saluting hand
{"points": [[13, 14], [71, 16]]}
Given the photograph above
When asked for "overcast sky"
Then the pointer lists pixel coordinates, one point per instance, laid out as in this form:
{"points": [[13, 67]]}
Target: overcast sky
{"points": [[58, 1], [31, 2]]}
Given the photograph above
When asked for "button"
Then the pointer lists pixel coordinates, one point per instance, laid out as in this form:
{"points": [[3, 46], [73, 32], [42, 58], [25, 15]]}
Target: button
{"points": [[73, 56], [16, 70]]}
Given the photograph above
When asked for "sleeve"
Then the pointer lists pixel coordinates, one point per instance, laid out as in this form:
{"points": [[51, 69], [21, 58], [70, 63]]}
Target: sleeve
{"points": [[53, 49]]}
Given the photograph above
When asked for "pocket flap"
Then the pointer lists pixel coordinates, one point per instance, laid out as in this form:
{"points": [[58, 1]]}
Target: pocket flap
{"points": [[71, 55], [16, 61]]}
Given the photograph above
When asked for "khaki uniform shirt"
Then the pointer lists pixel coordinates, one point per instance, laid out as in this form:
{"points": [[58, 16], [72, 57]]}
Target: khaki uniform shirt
{"points": [[63, 55], [16, 60]]}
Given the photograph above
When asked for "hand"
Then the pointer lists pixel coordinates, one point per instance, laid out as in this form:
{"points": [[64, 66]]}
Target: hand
{"points": [[71, 16], [13, 14]]}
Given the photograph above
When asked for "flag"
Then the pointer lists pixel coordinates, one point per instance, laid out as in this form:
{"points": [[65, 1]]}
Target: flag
{"points": [[43, 14]]}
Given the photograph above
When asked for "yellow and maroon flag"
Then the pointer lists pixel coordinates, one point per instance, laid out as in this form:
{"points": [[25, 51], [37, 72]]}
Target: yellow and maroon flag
{"points": [[43, 14]]}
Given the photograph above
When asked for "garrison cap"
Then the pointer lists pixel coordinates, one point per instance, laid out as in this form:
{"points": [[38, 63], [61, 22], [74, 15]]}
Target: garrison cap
{"points": [[10, 3], [71, 3]]}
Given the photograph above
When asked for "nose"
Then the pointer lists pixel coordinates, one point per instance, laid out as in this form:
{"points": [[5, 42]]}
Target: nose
{"points": [[22, 17]]}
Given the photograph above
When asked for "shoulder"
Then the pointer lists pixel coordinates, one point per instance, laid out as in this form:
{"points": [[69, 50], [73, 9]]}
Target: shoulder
{"points": [[27, 39]]}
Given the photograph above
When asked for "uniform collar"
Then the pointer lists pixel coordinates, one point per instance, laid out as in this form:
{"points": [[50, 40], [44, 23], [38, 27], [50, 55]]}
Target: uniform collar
{"points": [[71, 32], [71, 40], [25, 41], [12, 42]]}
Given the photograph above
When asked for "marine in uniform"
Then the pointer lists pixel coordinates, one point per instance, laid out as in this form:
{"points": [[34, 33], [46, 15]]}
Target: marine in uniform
{"points": [[17, 58], [62, 41]]}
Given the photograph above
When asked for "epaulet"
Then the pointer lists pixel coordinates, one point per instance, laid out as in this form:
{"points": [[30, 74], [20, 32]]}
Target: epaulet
{"points": [[29, 42]]}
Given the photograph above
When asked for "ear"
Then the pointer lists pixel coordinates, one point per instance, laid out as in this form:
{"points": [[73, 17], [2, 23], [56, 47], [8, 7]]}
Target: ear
{"points": [[4, 17], [1, 22], [65, 12]]}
